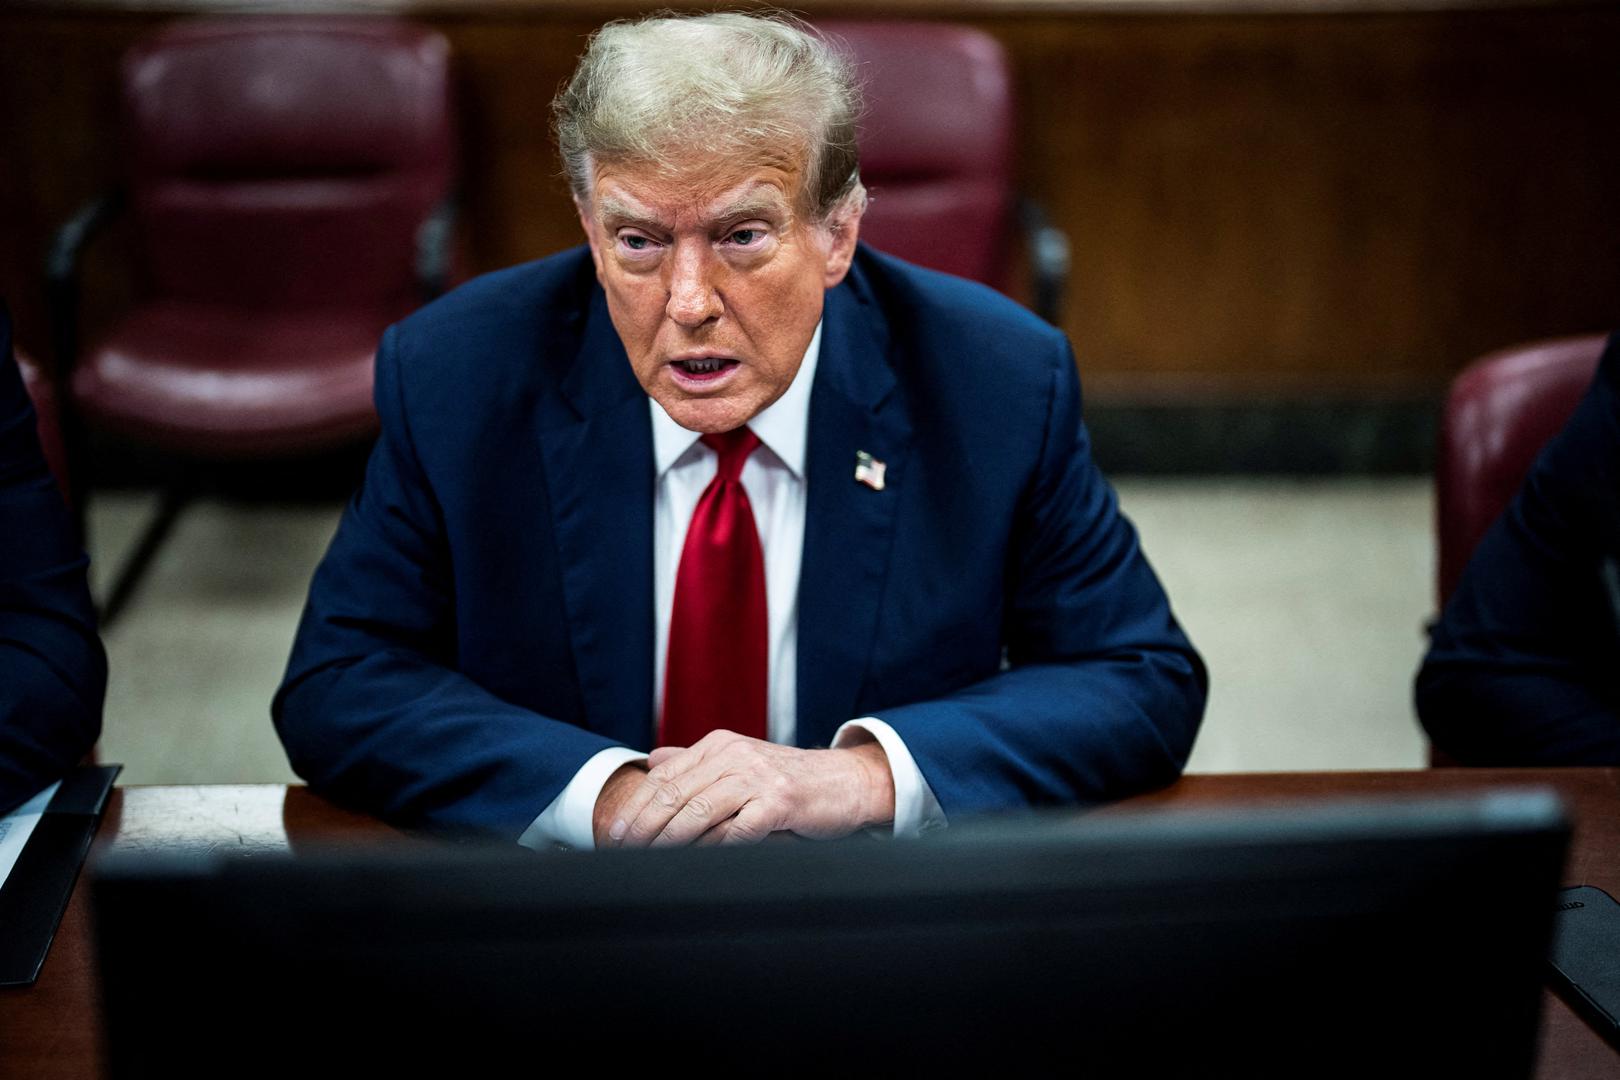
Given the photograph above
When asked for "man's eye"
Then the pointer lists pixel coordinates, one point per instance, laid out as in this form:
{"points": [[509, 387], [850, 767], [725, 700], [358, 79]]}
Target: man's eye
{"points": [[746, 237], [635, 243]]}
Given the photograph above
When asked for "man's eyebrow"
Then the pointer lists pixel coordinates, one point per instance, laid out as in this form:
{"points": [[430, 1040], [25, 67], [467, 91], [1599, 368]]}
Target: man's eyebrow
{"points": [[612, 210], [756, 204], [766, 204]]}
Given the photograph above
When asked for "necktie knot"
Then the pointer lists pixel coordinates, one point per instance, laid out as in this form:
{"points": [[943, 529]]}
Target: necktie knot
{"points": [[733, 448]]}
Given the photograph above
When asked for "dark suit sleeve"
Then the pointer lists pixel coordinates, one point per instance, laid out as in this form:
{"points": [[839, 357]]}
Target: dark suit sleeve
{"points": [[1103, 692], [53, 672], [1521, 665], [373, 711]]}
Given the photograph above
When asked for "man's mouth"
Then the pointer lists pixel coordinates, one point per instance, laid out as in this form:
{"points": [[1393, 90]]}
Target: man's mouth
{"points": [[702, 369]]}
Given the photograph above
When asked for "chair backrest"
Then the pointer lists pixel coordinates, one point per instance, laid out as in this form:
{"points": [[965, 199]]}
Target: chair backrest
{"points": [[286, 162], [936, 144], [1499, 414]]}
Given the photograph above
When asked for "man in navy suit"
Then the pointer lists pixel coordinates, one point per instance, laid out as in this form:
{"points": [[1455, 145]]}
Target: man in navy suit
{"points": [[53, 672], [1521, 668], [818, 528]]}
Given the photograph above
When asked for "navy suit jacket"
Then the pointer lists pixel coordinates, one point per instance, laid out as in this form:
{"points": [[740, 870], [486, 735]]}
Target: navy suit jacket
{"points": [[483, 622], [53, 673], [1523, 666]]}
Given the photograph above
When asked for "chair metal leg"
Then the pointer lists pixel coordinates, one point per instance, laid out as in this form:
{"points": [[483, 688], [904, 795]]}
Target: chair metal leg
{"points": [[175, 498]]}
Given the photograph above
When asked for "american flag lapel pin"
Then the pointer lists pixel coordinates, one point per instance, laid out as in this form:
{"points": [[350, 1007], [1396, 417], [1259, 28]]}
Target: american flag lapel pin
{"points": [[869, 470]]}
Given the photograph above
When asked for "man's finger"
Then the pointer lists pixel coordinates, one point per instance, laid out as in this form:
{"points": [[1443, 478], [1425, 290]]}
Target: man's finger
{"points": [[657, 775], [662, 754], [715, 836], [668, 787], [754, 822], [714, 804], [663, 765]]}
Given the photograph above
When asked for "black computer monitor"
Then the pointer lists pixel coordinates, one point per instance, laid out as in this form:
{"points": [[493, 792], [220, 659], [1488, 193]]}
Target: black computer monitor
{"points": [[1368, 939]]}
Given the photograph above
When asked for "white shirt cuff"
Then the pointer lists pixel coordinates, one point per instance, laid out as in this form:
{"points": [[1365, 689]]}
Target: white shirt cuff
{"points": [[916, 810], [567, 821]]}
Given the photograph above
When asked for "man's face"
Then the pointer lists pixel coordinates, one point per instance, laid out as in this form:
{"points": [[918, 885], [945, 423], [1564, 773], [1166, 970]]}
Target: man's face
{"points": [[714, 280]]}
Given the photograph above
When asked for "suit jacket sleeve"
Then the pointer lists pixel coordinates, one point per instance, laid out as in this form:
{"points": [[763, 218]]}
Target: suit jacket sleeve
{"points": [[53, 672], [1521, 665], [1102, 693], [373, 711]]}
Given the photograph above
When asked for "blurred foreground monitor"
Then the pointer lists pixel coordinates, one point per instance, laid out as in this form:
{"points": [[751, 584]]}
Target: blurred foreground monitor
{"points": [[1374, 938]]}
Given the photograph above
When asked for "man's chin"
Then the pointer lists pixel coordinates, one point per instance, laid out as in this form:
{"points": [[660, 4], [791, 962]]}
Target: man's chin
{"points": [[708, 416]]}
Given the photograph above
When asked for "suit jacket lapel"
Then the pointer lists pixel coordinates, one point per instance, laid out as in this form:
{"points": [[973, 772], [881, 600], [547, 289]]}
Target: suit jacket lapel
{"points": [[599, 473], [848, 526]]}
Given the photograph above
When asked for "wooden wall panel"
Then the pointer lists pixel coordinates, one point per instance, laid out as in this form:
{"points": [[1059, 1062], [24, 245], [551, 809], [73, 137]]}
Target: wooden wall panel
{"points": [[1371, 198], [1348, 203]]}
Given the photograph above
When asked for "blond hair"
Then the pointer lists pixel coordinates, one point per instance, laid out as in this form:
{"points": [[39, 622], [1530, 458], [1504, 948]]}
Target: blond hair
{"points": [[660, 89]]}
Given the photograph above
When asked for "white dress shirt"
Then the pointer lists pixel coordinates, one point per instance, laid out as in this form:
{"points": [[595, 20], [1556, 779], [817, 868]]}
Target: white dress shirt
{"points": [[773, 477]]}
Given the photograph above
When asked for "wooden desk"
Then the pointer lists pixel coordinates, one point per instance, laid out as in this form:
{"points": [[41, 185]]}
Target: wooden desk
{"points": [[52, 1030]]}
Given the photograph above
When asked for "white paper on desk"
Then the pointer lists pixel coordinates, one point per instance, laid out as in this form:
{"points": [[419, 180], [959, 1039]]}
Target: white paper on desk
{"points": [[17, 826]]}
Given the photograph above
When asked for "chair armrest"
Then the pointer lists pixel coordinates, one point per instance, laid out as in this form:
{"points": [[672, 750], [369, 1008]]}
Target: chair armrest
{"points": [[1048, 248], [74, 234], [435, 249], [62, 295], [62, 273]]}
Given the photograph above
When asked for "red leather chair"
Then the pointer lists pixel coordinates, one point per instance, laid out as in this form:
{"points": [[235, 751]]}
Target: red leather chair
{"points": [[937, 156], [1498, 415], [289, 184]]}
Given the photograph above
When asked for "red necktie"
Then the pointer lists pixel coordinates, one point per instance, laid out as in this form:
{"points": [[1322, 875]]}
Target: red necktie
{"points": [[715, 677]]}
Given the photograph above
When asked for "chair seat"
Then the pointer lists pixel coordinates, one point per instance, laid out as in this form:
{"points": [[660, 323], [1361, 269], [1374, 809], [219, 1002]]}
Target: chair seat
{"points": [[224, 381]]}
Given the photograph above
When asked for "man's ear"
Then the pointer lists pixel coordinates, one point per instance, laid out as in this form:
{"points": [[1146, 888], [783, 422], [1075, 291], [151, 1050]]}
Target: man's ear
{"points": [[844, 228], [589, 225]]}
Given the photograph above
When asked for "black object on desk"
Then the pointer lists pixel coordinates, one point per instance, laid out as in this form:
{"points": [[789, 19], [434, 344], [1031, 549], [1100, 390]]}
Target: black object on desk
{"points": [[1360, 939], [36, 893], [1585, 957]]}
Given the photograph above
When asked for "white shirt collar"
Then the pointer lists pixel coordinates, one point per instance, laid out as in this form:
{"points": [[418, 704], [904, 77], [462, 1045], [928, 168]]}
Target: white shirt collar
{"points": [[783, 426]]}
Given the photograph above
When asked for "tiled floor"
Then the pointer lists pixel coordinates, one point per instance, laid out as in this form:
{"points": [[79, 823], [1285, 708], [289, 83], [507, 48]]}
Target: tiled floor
{"points": [[1308, 602], [1307, 599]]}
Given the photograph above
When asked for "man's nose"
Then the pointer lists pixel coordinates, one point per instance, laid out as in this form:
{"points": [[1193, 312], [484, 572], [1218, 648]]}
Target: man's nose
{"points": [[694, 298]]}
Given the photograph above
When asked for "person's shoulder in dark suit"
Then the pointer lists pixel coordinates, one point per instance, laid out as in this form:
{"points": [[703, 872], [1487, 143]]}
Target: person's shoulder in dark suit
{"points": [[1523, 666], [53, 672], [935, 319], [980, 373], [506, 332]]}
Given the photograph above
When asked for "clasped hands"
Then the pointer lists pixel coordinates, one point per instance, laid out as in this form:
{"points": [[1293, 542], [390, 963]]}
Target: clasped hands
{"points": [[731, 789]]}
